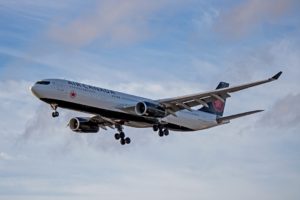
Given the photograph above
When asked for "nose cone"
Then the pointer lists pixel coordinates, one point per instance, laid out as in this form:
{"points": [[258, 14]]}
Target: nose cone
{"points": [[34, 90]]}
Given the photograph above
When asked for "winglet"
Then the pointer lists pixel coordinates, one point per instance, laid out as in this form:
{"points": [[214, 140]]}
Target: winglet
{"points": [[276, 76]]}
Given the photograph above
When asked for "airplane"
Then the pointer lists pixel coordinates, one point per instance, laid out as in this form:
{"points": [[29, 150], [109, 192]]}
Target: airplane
{"points": [[112, 109]]}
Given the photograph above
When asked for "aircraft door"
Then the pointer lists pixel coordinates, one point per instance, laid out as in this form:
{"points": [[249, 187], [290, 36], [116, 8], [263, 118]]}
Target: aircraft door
{"points": [[59, 86], [57, 89]]}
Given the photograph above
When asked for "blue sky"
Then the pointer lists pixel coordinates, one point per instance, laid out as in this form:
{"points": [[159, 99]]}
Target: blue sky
{"points": [[155, 49]]}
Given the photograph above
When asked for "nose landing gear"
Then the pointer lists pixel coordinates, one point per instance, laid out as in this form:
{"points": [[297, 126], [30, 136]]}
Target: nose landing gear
{"points": [[55, 113]]}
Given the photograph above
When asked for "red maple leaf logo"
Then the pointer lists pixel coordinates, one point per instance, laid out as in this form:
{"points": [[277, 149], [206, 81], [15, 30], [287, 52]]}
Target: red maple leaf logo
{"points": [[218, 105], [73, 94]]}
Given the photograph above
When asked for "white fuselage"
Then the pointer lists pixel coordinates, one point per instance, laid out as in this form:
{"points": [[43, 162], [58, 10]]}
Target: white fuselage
{"points": [[108, 103]]}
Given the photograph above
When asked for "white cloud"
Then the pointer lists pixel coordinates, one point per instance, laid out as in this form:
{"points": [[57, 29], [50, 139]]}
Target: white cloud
{"points": [[244, 17], [114, 21], [284, 114], [5, 156], [241, 160]]}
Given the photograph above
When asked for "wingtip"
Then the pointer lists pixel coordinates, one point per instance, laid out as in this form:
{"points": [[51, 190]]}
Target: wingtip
{"points": [[256, 111], [276, 76]]}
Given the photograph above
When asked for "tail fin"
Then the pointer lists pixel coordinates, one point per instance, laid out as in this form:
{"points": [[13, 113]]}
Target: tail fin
{"points": [[217, 106]]}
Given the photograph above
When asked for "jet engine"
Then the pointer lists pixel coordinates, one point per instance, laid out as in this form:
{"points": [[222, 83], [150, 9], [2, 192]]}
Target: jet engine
{"points": [[150, 109], [83, 125]]}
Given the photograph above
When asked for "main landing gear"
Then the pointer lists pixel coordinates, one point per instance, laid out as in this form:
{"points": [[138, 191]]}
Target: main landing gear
{"points": [[162, 131], [121, 136], [54, 113]]}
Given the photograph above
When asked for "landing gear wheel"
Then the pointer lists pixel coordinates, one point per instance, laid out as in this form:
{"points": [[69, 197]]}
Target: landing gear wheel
{"points": [[161, 133], [122, 141], [122, 135], [155, 128], [54, 107], [127, 140], [166, 132], [55, 114], [117, 136]]}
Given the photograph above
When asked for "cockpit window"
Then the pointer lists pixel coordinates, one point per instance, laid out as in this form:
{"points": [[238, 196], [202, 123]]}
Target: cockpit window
{"points": [[43, 82]]}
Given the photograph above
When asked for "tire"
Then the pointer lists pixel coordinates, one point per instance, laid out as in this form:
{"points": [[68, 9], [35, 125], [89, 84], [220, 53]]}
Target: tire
{"points": [[117, 136], [127, 140], [161, 133], [155, 128], [166, 132], [55, 114], [122, 135], [122, 141]]}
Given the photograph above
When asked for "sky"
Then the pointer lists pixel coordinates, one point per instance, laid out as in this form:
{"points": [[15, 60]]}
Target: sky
{"points": [[155, 49]]}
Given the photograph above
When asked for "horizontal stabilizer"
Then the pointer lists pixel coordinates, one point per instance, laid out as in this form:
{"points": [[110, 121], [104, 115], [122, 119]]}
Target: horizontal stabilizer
{"points": [[228, 118]]}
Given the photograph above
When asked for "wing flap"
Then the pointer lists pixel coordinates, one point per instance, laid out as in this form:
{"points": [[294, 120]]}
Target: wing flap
{"points": [[103, 122]]}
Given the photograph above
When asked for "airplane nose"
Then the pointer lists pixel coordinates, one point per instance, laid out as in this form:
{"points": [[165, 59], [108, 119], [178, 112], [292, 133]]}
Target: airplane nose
{"points": [[34, 90]]}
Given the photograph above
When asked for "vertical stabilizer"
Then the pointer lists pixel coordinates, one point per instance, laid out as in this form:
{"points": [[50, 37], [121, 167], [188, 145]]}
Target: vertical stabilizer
{"points": [[216, 106]]}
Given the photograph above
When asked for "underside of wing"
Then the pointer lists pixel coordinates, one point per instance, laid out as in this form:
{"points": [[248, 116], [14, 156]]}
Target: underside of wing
{"points": [[103, 122]]}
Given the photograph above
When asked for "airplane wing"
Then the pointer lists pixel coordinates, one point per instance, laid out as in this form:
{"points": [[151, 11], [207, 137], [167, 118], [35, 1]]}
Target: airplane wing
{"points": [[186, 102], [103, 122]]}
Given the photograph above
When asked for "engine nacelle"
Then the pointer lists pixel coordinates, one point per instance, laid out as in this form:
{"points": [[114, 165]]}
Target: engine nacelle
{"points": [[83, 125], [149, 109]]}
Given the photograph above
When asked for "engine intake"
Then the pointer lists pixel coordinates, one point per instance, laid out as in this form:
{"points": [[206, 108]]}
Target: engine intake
{"points": [[83, 125], [149, 109]]}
